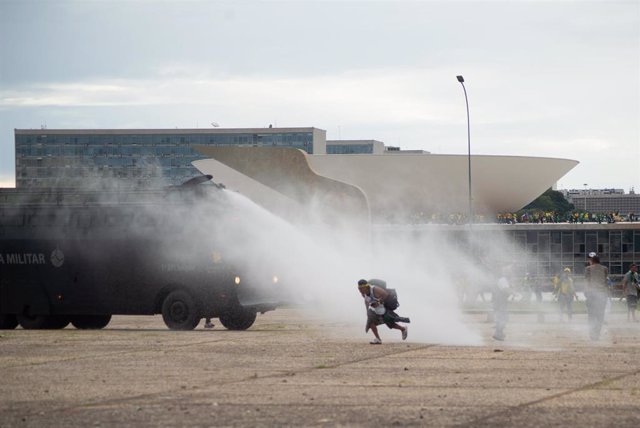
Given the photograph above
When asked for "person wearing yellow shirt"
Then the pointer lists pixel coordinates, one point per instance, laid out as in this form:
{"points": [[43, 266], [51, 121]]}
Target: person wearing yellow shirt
{"points": [[565, 293]]}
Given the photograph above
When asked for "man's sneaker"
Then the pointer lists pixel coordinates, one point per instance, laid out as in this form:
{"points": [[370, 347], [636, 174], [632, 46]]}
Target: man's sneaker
{"points": [[405, 332], [376, 341]]}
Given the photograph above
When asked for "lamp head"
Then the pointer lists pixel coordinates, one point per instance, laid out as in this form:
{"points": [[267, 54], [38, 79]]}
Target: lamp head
{"points": [[460, 79]]}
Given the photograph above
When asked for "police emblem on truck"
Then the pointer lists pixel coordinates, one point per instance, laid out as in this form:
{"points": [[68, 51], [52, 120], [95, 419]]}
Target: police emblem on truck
{"points": [[57, 257]]}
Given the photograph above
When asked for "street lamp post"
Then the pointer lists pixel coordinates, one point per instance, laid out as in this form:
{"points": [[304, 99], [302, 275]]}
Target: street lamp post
{"points": [[466, 100]]}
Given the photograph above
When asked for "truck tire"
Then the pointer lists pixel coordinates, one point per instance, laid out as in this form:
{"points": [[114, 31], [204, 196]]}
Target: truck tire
{"points": [[90, 322], [179, 311], [57, 322], [34, 322], [238, 318], [8, 321]]}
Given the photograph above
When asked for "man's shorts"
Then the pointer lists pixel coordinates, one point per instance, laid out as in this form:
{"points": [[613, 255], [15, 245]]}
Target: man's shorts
{"points": [[372, 317]]}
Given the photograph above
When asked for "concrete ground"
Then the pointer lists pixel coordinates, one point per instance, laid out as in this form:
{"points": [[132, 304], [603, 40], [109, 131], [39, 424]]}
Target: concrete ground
{"points": [[288, 370]]}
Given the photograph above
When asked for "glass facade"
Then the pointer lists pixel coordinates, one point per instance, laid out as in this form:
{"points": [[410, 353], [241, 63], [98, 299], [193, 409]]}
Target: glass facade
{"points": [[623, 204], [345, 149], [351, 147], [552, 251], [541, 250], [47, 158]]}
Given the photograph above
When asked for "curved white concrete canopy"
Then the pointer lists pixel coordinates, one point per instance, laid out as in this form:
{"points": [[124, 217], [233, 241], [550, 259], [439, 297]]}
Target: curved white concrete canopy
{"points": [[284, 175], [394, 184], [439, 183]]}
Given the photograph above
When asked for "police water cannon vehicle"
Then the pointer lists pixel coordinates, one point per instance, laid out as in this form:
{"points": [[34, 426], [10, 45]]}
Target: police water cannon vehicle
{"points": [[79, 257]]}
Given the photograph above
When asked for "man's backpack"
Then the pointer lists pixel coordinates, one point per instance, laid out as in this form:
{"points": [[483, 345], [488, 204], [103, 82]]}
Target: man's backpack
{"points": [[378, 283], [391, 303]]}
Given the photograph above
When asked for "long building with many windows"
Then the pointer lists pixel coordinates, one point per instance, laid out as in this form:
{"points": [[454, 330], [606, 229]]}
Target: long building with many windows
{"points": [[623, 204], [136, 157]]}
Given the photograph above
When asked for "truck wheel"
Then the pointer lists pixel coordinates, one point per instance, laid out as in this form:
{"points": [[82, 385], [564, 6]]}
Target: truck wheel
{"points": [[90, 322], [57, 322], [238, 318], [8, 321], [34, 322], [179, 311]]}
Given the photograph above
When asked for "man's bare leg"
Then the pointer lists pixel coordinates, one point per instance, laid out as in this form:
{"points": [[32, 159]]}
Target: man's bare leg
{"points": [[374, 329], [402, 329]]}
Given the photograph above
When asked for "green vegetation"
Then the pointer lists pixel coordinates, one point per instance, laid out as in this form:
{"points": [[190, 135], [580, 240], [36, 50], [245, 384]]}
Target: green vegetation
{"points": [[550, 200]]}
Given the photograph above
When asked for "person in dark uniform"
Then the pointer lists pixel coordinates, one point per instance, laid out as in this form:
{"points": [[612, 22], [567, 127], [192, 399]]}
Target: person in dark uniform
{"points": [[500, 300]]}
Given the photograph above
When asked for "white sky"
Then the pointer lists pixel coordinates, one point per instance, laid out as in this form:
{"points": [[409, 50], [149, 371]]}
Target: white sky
{"points": [[544, 78]]}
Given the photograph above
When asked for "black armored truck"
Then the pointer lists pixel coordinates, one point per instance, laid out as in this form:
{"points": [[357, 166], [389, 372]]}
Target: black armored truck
{"points": [[81, 256]]}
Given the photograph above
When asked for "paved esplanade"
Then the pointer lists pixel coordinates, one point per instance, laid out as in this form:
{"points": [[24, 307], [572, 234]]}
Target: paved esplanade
{"points": [[287, 370]]}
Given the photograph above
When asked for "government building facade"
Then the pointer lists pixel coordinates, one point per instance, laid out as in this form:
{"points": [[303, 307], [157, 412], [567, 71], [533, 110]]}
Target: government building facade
{"points": [[136, 157]]}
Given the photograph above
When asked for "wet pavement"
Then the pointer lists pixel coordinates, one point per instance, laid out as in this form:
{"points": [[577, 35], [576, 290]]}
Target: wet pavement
{"points": [[293, 371]]}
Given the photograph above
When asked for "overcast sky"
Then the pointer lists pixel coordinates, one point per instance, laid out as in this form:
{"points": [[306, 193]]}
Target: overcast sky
{"points": [[544, 78]]}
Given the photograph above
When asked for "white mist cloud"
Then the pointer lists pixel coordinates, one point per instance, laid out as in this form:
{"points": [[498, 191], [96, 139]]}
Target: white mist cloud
{"points": [[319, 267]]}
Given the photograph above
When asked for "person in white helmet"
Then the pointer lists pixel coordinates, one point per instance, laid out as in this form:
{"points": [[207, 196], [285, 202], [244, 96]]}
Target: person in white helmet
{"points": [[630, 289], [597, 293]]}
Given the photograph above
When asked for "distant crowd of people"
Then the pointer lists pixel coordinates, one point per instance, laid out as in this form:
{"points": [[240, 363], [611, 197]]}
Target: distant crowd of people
{"points": [[597, 290], [570, 217], [420, 217]]}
